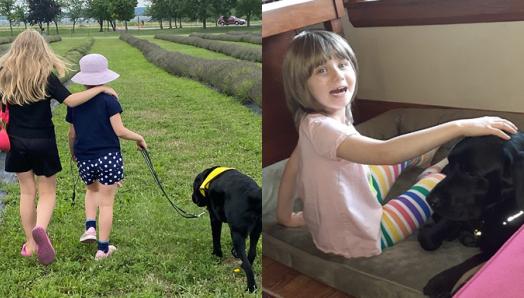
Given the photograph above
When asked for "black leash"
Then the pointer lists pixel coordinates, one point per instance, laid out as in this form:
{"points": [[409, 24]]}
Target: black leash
{"points": [[76, 175], [180, 211]]}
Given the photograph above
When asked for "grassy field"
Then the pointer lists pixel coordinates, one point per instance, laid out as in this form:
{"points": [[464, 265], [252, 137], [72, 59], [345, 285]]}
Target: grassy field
{"points": [[188, 127]]}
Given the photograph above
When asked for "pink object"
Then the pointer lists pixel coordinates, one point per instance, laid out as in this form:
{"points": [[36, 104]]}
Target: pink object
{"points": [[24, 251], [46, 252], [5, 144], [94, 71], [340, 210], [502, 275]]}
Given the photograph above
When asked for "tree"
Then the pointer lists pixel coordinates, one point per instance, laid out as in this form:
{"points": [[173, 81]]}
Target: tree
{"points": [[76, 10], [123, 10], [43, 11], [199, 9], [99, 10], [159, 10], [249, 8], [7, 9], [222, 8], [21, 15]]}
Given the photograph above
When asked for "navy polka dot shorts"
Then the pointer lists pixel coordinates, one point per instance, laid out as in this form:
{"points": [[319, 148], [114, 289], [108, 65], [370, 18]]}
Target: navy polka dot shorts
{"points": [[108, 169]]}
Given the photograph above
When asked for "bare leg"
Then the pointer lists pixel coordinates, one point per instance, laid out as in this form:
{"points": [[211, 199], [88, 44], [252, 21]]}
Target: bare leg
{"points": [[106, 198], [26, 180], [46, 200], [91, 204]]}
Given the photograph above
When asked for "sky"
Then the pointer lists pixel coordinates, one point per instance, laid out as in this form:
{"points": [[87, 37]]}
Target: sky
{"points": [[142, 3]]}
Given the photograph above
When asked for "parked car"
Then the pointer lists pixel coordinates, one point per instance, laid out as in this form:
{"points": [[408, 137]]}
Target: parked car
{"points": [[230, 21]]}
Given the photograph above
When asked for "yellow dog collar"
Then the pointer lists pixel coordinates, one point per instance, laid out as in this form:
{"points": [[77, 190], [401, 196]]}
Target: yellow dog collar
{"points": [[205, 185]]}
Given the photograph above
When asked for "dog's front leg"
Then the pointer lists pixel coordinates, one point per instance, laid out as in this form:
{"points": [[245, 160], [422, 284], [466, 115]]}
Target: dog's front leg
{"points": [[216, 229], [239, 243]]}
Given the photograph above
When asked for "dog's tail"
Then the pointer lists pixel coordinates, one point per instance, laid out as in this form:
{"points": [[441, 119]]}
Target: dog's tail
{"points": [[255, 199]]}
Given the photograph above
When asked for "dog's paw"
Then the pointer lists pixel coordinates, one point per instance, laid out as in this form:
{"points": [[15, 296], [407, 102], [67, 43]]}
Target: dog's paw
{"points": [[438, 287], [218, 253], [251, 288]]}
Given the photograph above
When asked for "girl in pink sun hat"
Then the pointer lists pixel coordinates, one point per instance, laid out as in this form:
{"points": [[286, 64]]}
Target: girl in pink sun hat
{"points": [[27, 85], [94, 133]]}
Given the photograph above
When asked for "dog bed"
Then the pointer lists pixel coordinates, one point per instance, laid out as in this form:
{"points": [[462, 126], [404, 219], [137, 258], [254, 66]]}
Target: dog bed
{"points": [[400, 271]]}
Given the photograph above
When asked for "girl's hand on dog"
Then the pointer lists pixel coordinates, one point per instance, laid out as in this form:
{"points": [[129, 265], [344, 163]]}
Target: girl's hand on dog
{"points": [[487, 126]]}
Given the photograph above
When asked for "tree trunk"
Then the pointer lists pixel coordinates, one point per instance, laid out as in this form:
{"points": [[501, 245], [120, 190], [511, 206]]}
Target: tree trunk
{"points": [[56, 26], [161, 26], [170, 25], [47, 28], [113, 25], [204, 23], [248, 19], [101, 23], [180, 19], [41, 25], [25, 25], [74, 22], [11, 27]]}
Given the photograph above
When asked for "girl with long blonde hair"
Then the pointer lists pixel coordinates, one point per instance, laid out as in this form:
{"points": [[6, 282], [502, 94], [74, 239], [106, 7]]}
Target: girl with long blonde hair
{"points": [[27, 85]]}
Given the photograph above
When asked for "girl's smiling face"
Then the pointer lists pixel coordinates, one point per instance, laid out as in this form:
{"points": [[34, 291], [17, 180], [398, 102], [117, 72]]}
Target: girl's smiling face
{"points": [[332, 84]]}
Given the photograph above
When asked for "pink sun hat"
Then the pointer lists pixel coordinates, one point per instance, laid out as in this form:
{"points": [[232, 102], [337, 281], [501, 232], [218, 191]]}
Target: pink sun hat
{"points": [[94, 71]]}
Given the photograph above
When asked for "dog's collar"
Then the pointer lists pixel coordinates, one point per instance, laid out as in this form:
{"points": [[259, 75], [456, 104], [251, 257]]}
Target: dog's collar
{"points": [[205, 185]]}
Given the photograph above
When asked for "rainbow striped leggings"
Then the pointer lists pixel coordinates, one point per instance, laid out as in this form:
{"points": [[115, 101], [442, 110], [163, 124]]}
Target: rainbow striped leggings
{"points": [[406, 213]]}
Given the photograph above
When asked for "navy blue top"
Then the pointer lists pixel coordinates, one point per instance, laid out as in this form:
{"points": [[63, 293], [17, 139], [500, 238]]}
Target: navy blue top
{"points": [[95, 136]]}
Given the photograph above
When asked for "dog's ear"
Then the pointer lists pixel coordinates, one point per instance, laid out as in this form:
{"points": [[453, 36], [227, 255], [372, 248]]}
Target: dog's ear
{"points": [[518, 180], [198, 198]]}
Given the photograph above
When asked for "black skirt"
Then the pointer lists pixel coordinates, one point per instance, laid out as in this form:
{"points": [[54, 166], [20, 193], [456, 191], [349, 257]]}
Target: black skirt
{"points": [[39, 155]]}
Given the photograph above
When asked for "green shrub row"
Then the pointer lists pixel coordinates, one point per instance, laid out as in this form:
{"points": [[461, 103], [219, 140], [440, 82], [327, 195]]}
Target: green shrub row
{"points": [[7, 39], [52, 38], [233, 50], [230, 37], [241, 79], [5, 42], [73, 56], [253, 33]]}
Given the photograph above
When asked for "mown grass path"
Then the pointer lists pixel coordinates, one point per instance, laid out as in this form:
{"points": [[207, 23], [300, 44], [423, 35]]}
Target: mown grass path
{"points": [[188, 127]]}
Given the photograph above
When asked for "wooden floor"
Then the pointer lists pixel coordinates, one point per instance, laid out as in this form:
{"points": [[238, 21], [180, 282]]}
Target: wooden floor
{"points": [[281, 281]]}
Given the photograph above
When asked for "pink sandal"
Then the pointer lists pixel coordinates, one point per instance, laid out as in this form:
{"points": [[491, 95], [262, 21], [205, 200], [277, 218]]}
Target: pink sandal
{"points": [[46, 252], [24, 251]]}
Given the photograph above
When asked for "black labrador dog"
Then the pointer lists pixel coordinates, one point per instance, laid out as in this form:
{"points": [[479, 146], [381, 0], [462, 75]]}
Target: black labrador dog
{"points": [[483, 194], [233, 198]]}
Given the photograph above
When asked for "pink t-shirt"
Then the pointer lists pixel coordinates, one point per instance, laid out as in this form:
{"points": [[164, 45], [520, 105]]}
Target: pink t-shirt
{"points": [[340, 210]]}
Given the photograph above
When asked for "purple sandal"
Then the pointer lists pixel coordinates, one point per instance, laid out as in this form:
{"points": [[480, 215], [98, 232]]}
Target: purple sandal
{"points": [[46, 252]]}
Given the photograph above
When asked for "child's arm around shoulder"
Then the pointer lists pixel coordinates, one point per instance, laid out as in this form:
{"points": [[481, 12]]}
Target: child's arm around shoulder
{"points": [[361, 149], [78, 98], [122, 132], [286, 192]]}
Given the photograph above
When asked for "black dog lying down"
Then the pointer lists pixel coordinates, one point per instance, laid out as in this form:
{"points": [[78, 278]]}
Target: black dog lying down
{"points": [[483, 192], [234, 198]]}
